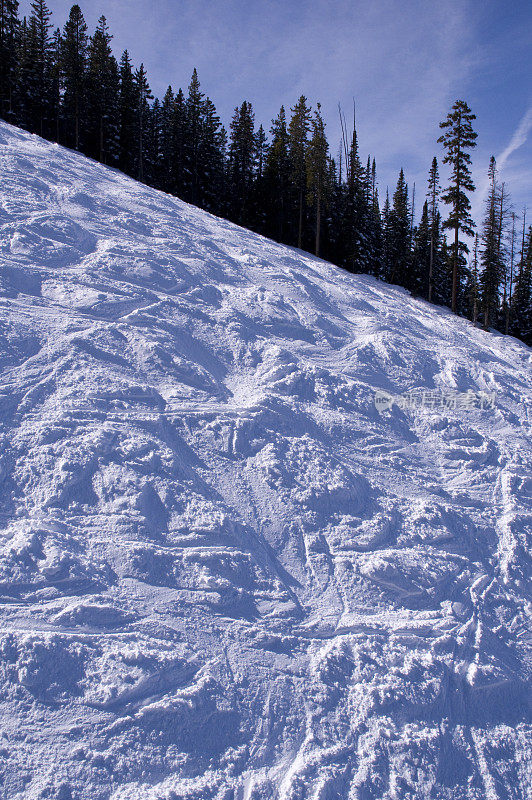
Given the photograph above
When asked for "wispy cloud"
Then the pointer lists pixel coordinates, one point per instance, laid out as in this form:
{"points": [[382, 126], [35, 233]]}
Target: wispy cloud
{"points": [[518, 139]]}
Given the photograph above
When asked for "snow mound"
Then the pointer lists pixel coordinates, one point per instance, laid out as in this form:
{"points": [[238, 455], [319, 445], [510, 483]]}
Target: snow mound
{"points": [[224, 573]]}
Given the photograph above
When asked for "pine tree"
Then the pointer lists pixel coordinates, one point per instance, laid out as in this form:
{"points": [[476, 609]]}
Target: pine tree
{"points": [[387, 248], [126, 114], [194, 115], [261, 150], [377, 268], [23, 100], [178, 145], [421, 256], [55, 86], [443, 276], [9, 30], [357, 209], [211, 160], [74, 64], [400, 236], [433, 194], [473, 284], [37, 76], [298, 131], [458, 138], [258, 212], [331, 248], [166, 142], [490, 279], [242, 161], [372, 233], [368, 182], [102, 96], [504, 214], [355, 213], [355, 170], [153, 136], [142, 118], [317, 172], [200, 140], [277, 179]]}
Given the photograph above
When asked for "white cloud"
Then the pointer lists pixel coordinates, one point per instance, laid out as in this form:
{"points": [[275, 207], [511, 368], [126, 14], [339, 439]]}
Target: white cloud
{"points": [[518, 139]]}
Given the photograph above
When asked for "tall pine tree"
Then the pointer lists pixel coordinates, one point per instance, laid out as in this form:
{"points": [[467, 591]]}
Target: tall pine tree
{"points": [[457, 139], [399, 236], [38, 75], [74, 72], [242, 162], [490, 279], [126, 116], [421, 255], [317, 172], [434, 220], [298, 131], [102, 96], [143, 96], [473, 284], [194, 117], [277, 179], [211, 160]]}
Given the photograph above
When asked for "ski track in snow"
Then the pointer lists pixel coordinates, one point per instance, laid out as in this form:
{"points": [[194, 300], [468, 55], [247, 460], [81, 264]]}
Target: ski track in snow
{"points": [[223, 573]]}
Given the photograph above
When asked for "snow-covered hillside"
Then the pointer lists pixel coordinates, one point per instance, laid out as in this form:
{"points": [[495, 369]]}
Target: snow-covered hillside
{"points": [[224, 573]]}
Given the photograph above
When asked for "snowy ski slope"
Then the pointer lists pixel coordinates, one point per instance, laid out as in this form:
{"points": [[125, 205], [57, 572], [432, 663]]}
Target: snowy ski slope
{"points": [[223, 572]]}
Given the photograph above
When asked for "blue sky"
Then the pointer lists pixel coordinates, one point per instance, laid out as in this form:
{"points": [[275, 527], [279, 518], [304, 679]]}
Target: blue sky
{"points": [[404, 62]]}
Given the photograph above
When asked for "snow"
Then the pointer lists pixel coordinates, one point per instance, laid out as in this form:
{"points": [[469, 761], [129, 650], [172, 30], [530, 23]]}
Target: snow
{"points": [[224, 573]]}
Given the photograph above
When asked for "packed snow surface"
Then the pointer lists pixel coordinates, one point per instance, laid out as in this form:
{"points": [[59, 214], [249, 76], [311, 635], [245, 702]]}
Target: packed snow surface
{"points": [[224, 573]]}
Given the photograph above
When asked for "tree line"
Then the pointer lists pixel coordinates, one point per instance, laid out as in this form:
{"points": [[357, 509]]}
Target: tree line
{"points": [[68, 87]]}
